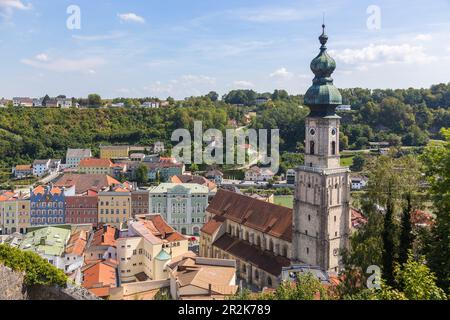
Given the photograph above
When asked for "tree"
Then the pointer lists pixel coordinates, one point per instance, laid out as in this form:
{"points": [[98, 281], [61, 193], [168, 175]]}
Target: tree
{"points": [[142, 174], [94, 101], [358, 163], [437, 168], [214, 96], [406, 236], [417, 281], [38, 271], [388, 240]]}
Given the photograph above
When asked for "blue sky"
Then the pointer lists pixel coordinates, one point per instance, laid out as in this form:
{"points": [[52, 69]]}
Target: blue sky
{"points": [[180, 48]]}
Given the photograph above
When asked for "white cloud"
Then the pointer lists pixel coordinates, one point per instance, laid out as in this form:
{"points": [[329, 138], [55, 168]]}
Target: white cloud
{"points": [[42, 57], [184, 86], [281, 73], [242, 84], [198, 79], [7, 7], [423, 37], [14, 4], [111, 36], [383, 54], [85, 65], [130, 17]]}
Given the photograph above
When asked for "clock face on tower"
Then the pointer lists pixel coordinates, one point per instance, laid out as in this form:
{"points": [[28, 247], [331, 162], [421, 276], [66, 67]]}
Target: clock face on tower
{"points": [[312, 132], [333, 132]]}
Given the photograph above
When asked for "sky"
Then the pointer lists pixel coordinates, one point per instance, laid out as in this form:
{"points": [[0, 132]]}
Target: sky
{"points": [[182, 48]]}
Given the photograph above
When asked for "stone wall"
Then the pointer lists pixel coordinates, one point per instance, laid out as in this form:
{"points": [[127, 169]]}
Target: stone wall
{"points": [[11, 285]]}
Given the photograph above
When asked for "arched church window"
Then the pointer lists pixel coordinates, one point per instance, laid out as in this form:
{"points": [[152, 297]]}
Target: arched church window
{"points": [[312, 147]]}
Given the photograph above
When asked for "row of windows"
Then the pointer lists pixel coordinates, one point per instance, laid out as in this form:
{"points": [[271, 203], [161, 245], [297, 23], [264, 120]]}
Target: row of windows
{"points": [[112, 220], [46, 212], [79, 220], [117, 211], [46, 220], [183, 220], [46, 205], [117, 203], [79, 213]]}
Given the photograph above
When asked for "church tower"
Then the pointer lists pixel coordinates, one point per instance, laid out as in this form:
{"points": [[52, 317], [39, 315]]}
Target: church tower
{"points": [[321, 226]]}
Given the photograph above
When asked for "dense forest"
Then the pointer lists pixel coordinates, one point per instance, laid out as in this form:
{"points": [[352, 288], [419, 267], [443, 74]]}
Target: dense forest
{"points": [[403, 117]]}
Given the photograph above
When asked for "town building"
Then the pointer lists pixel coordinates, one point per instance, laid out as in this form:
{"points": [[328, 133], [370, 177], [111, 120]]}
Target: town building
{"points": [[13, 240], [51, 103], [86, 182], [38, 102], [262, 197], [147, 247], [102, 245], [290, 176], [23, 171], [182, 205], [74, 255], [359, 182], [41, 167], [194, 278], [14, 212], [151, 104], [82, 209], [255, 233], [139, 202], [187, 178], [49, 242], [74, 156], [163, 171], [96, 166], [138, 157], [22, 102], [47, 204], [114, 206], [114, 152], [64, 103], [159, 147], [215, 176], [261, 101], [322, 220], [99, 277], [258, 174]]}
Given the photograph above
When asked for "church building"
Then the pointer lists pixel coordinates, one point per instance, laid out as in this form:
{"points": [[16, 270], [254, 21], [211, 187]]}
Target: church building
{"points": [[322, 220]]}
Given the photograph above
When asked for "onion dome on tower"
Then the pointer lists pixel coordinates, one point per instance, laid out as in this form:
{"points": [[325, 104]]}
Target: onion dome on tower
{"points": [[323, 97]]}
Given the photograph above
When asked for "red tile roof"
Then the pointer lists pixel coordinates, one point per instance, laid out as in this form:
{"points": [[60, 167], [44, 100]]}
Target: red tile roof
{"points": [[77, 243], [96, 163], [358, 219], [244, 251], [213, 225], [105, 236], [159, 228], [100, 277], [256, 214], [422, 218], [85, 182], [194, 179], [41, 190], [26, 167]]}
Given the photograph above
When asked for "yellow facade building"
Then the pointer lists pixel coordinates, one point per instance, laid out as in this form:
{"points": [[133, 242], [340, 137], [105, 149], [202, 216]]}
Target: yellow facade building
{"points": [[114, 152], [114, 207], [96, 166], [14, 212]]}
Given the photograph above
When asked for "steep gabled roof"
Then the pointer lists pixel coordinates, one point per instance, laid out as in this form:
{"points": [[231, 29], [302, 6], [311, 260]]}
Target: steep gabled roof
{"points": [[256, 214]]}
